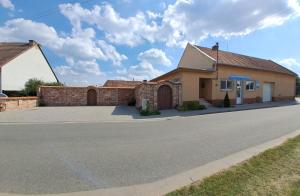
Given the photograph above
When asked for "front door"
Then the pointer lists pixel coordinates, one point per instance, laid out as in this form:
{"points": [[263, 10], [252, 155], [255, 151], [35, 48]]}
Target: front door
{"points": [[239, 92], [267, 92]]}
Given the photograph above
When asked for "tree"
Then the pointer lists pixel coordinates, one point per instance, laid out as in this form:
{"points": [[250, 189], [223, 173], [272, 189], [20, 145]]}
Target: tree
{"points": [[227, 103], [32, 85]]}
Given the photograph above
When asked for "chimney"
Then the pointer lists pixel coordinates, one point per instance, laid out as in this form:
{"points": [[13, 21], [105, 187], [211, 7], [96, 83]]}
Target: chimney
{"points": [[32, 43], [216, 47]]}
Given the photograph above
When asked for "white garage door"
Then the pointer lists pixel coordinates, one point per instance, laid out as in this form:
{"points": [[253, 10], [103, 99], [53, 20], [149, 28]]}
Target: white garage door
{"points": [[267, 92]]}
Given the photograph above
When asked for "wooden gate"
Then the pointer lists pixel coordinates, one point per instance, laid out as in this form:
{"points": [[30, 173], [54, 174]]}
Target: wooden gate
{"points": [[164, 97], [91, 97]]}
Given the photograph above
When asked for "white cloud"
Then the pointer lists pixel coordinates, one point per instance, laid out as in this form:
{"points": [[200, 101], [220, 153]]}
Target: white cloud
{"points": [[131, 31], [184, 20], [111, 53], [294, 4], [7, 4], [291, 63], [195, 20], [145, 69], [142, 71], [155, 56], [80, 48]]}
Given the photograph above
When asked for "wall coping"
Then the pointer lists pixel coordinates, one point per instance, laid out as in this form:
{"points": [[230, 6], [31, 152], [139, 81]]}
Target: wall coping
{"points": [[100, 87], [18, 98]]}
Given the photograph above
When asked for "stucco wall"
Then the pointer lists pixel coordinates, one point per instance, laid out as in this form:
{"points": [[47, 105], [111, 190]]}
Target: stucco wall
{"points": [[195, 59], [283, 84], [77, 96], [190, 84], [30, 64]]}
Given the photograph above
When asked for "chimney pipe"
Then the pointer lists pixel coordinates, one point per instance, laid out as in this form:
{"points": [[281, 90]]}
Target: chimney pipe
{"points": [[32, 42], [216, 47]]}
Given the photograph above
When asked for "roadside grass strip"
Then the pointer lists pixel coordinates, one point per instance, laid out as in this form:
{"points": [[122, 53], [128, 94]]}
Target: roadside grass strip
{"points": [[273, 172]]}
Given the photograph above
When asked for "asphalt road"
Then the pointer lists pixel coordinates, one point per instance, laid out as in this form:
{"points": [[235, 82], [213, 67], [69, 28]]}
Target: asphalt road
{"points": [[57, 158]]}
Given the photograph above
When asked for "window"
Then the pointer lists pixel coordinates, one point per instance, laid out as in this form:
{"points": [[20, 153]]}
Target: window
{"points": [[226, 85], [250, 85]]}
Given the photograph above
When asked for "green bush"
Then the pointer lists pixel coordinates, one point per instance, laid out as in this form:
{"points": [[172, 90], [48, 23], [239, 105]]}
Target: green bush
{"points": [[148, 111], [227, 103], [191, 105], [32, 85]]}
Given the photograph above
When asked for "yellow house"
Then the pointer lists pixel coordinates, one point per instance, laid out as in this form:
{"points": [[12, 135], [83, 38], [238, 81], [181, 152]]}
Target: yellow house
{"points": [[208, 74]]}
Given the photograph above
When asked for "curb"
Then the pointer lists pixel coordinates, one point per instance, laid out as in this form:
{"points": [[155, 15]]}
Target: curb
{"points": [[172, 183]]}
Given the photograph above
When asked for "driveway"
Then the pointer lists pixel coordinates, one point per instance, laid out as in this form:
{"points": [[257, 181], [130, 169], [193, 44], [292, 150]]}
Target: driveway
{"points": [[72, 157]]}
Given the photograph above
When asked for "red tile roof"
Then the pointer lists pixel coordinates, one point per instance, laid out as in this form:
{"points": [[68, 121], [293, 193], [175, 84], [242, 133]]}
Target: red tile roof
{"points": [[121, 83], [229, 58], [9, 51]]}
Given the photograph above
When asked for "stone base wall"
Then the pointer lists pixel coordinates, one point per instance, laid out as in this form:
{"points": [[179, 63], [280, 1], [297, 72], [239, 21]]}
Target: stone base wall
{"points": [[18, 103], [217, 102], [77, 96], [148, 91]]}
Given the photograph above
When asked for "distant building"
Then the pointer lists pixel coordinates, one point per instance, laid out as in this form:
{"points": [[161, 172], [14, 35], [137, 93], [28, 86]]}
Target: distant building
{"points": [[20, 62]]}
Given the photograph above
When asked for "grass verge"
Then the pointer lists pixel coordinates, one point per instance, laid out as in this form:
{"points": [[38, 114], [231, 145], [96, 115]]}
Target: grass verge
{"points": [[273, 172]]}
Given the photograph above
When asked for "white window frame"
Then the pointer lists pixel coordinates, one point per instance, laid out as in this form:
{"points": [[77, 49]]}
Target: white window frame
{"points": [[226, 89], [253, 85]]}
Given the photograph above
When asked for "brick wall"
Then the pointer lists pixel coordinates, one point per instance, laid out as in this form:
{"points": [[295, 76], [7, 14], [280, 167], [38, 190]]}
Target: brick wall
{"points": [[18, 103], [77, 96], [148, 90]]}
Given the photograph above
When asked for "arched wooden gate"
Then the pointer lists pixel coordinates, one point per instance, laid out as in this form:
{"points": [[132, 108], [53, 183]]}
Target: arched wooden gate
{"points": [[164, 97], [91, 97]]}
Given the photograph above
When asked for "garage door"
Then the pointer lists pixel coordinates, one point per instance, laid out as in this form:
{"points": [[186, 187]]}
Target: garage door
{"points": [[267, 92]]}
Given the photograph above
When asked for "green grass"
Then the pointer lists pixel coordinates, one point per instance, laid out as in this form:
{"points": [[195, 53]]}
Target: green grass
{"points": [[273, 172]]}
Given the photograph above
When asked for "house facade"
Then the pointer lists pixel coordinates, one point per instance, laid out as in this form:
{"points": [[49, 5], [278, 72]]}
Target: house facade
{"points": [[208, 74], [20, 62], [203, 74]]}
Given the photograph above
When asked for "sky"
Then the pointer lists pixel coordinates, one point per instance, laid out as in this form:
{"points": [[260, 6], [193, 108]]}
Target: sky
{"points": [[90, 41]]}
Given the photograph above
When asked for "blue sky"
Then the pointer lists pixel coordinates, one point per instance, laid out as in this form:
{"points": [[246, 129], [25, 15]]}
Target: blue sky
{"points": [[90, 41]]}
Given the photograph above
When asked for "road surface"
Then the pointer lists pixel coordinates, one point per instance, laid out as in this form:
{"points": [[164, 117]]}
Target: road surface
{"points": [[72, 157]]}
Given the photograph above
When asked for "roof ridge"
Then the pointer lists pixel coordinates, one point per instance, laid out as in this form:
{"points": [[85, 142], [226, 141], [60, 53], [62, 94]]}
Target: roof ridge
{"points": [[235, 53]]}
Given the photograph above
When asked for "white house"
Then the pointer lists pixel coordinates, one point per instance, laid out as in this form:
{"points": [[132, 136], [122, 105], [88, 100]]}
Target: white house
{"points": [[20, 62]]}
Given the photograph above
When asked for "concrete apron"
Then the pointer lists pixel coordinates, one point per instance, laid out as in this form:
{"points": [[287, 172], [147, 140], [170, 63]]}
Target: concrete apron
{"points": [[170, 184]]}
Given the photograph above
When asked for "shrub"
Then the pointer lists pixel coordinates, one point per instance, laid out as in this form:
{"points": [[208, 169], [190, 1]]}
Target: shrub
{"points": [[148, 111], [31, 86], [191, 105], [227, 103], [132, 102]]}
